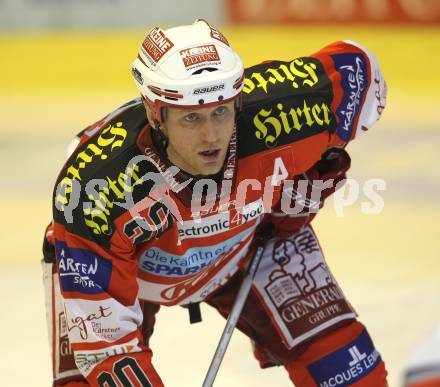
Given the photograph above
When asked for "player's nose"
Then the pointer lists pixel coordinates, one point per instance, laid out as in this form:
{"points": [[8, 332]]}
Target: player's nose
{"points": [[209, 132]]}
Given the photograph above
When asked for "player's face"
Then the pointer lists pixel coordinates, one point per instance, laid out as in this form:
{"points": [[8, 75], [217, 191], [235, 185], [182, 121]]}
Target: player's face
{"points": [[199, 138]]}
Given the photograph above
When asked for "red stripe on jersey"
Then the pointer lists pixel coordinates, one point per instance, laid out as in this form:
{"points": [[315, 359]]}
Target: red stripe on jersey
{"points": [[76, 241], [82, 296], [105, 344]]}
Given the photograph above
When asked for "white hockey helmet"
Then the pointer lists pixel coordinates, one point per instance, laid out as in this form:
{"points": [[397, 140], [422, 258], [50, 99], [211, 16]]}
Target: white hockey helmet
{"points": [[187, 66]]}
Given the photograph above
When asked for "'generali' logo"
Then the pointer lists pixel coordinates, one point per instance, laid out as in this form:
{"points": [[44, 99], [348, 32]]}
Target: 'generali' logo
{"points": [[199, 54]]}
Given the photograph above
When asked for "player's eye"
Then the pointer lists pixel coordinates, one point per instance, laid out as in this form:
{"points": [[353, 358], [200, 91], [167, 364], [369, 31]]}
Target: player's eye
{"points": [[221, 110], [191, 117]]}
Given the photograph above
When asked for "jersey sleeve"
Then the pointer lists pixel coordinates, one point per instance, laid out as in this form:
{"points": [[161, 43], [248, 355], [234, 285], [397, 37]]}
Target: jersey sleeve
{"points": [[309, 105], [103, 314], [300, 114]]}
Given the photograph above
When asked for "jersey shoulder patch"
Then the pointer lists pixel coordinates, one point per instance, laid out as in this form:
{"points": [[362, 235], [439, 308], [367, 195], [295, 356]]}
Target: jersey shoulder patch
{"points": [[359, 87]]}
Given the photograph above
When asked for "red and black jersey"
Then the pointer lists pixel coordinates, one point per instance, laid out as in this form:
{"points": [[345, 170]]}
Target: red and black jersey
{"points": [[127, 225]]}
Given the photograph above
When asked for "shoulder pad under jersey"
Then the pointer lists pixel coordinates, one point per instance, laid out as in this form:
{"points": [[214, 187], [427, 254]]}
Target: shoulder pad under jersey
{"points": [[104, 173]]}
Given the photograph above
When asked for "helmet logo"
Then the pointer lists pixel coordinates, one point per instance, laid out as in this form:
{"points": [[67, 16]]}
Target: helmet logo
{"points": [[194, 56], [209, 89], [215, 33], [156, 45]]}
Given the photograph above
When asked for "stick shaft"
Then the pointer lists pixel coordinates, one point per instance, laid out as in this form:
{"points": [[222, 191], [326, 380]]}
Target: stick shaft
{"points": [[233, 318]]}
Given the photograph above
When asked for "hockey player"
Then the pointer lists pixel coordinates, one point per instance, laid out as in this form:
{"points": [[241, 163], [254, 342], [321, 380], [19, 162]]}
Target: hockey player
{"points": [[160, 202]]}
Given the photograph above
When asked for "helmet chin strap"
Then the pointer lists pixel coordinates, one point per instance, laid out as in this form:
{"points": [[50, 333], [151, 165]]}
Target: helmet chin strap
{"points": [[162, 136]]}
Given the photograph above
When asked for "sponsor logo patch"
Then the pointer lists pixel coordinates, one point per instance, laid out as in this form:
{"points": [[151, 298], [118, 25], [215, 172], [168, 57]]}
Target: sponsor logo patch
{"points": [[222, 222], [347, 365], [93, 153], [94, 322], [67, 361], [216, 34], [87, 360], [194, 56], [299, 73], [160, 262], [82, 270], [274, 125], [303, 292], [284, 121], [156, 45], [354, 82], [299, 288]]}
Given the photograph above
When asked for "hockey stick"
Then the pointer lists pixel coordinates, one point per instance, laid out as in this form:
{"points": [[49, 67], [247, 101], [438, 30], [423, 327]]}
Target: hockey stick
{"points": [[263, 236]]}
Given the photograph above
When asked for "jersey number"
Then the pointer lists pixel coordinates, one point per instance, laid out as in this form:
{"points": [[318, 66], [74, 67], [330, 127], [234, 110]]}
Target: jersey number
{"points": [[127, 373], [141, 229]]}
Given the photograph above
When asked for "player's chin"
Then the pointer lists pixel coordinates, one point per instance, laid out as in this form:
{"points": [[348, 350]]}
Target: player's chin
{"points": [[210, 169]]}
